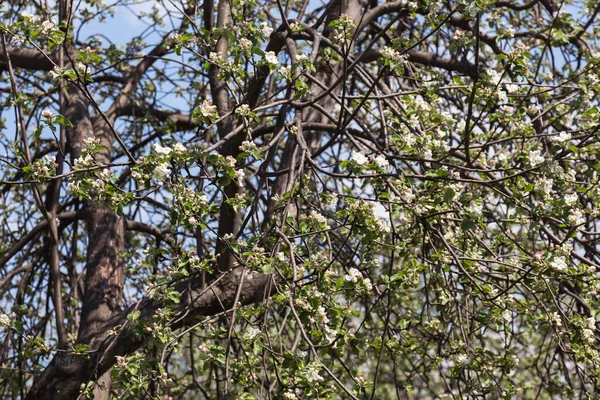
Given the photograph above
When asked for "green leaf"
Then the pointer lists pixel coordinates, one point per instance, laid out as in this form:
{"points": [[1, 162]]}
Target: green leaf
{"points": [[257, 347], [467, 225], [449, 195], [38, 132], [174, 296], [133, 368], [61, 120], [134, 316]]}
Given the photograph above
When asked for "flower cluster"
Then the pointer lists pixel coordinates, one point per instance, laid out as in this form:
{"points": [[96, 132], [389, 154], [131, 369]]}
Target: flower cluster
{"points": [[343, 27], [271, 59], [354, 276], [265, 30], [359, 162], [206, 112], [393, 59], [42, 168]]}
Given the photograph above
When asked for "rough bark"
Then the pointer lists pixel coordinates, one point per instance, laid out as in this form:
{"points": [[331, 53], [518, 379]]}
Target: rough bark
{"points": [[104, 278], [63, 377], [229, 220], [326, 77], [104, 270]]}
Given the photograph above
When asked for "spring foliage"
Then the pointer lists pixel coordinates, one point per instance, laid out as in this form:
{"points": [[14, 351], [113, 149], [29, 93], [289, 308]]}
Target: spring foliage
{"points": [[264, 200]]}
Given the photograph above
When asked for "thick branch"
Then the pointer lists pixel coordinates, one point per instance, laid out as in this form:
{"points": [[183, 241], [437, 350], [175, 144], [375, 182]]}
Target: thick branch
{"points": [[195, 302], [379, 11], [65, 218], [181, 122], [430, 60], [27, 59]]}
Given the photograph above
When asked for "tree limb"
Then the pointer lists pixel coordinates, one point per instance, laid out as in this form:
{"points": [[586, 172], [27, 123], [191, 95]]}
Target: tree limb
{"points": [[195, 301]]}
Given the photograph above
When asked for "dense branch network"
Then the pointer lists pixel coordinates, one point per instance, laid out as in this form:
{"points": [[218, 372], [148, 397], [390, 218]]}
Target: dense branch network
{"points": [[356, 200]]}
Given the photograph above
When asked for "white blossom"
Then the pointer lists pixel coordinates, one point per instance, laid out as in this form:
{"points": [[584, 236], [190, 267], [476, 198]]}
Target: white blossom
{"points": [[245, 43], [381, 161], [390, 54], [317, 217], [494, 76], [203, 349], [312, 373], [55, 73], [576, 217], [243, 109], [285, 71], [534, 109], [47, 113], [73, 186], [271, 58], [321, 315], [571, 199], [5, 320], [84, 162], [248, 146], [208, 110], [382, 225], [556, 320], [408, 195], [251, 332], [239, 177], [230, 161], [535, 158], [330, 334], [427, 154], [353, 275], [303, 58], [475, 208], [266, 29], [161, 172], [562, 137], [501, 96], [507, 315], [47, 26], [90, 141], [588, 335], [18, 40], [359, 158], [160, 150], [179, 148], [559, 263], [215, 57], [462, 359], [545, 185], [332, 199], [409, 139]]}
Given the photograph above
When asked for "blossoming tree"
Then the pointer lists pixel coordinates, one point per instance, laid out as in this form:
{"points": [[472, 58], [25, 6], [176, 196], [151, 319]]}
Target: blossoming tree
{"points": [[259, 199]]}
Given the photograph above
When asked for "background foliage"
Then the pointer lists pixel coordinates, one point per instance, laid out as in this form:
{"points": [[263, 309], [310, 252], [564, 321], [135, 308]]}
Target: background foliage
{"points": [[290, 200]]}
